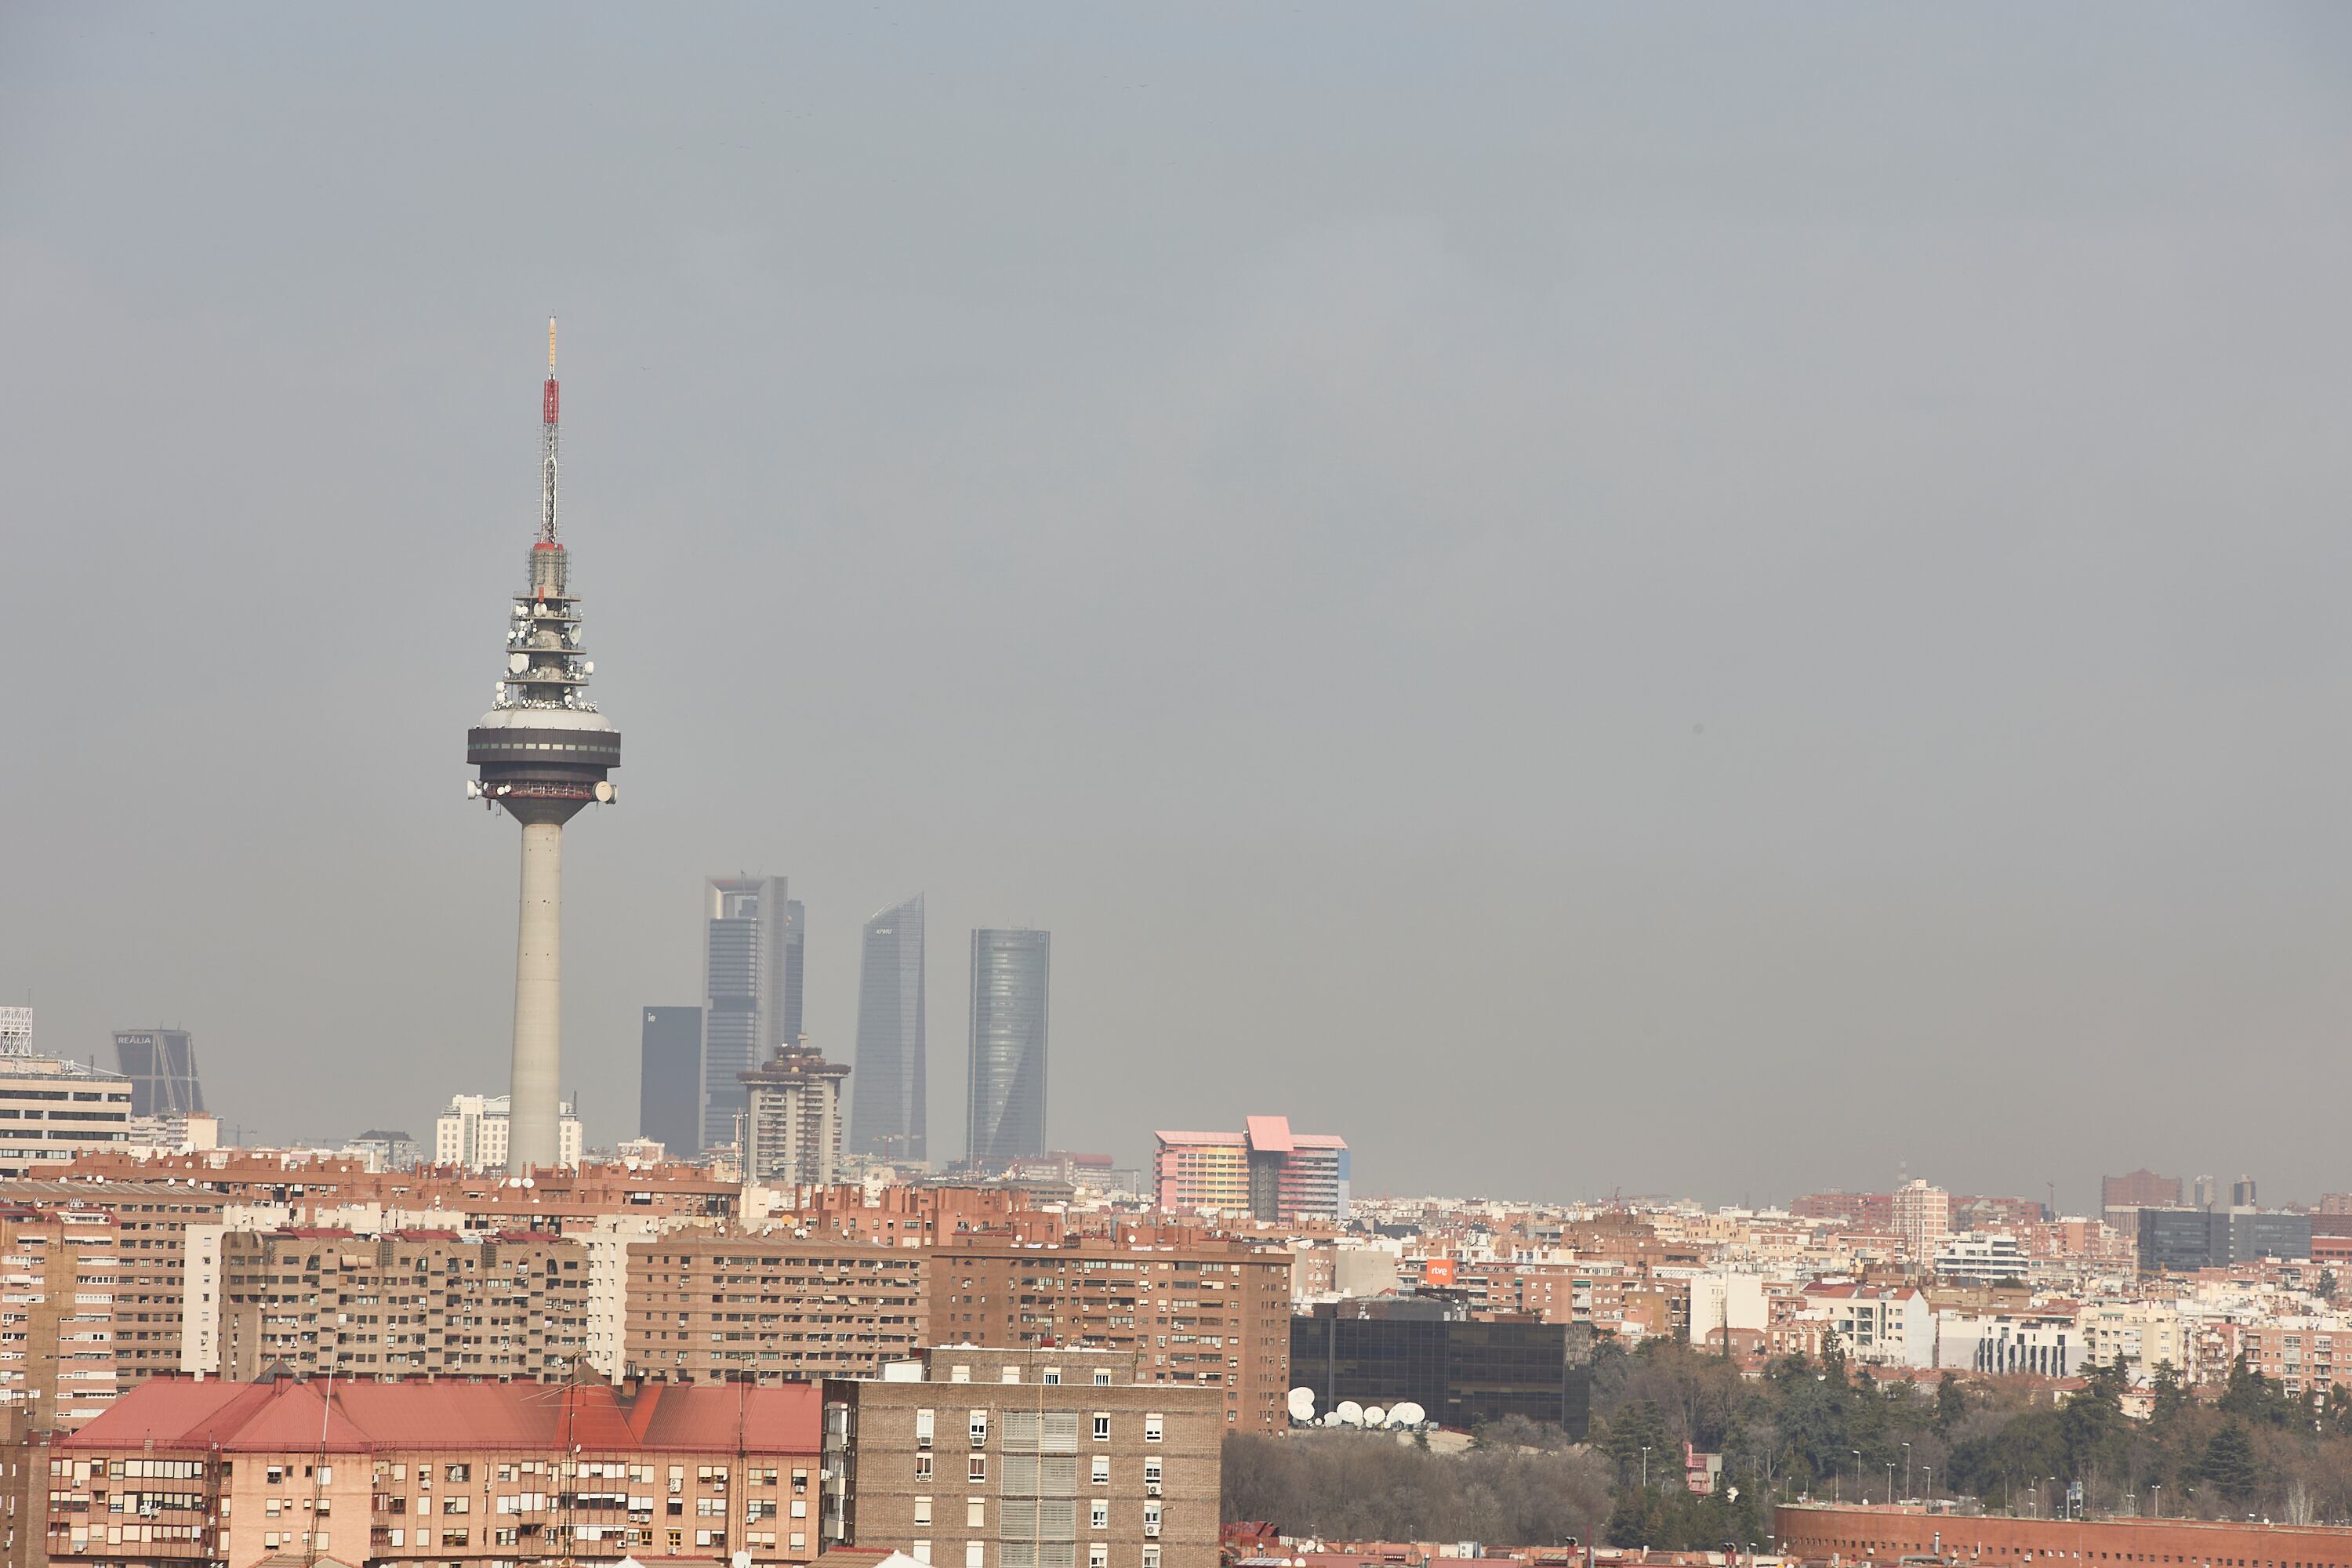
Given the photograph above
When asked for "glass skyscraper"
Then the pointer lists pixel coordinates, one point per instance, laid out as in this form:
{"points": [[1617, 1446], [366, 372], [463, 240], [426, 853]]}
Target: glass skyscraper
{"points": [[750, 991], [1006, 1116], [670, 1082], [889, 1115]]}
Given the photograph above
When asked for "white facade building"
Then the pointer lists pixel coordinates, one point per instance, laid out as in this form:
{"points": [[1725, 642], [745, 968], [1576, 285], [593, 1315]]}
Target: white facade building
{"points": [[1886, 1327], [1721, 1302], [1982, 1256], [472, 1133]]}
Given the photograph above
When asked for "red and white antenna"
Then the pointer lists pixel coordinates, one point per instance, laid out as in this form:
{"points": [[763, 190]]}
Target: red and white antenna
{"points": [[547, 446]]}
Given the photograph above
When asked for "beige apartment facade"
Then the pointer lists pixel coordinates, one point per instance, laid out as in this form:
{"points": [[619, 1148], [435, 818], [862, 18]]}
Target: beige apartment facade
{"points": [[1051, 1457]]}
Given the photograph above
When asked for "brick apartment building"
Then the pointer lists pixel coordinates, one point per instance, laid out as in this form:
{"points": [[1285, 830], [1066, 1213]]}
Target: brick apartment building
{"points": [[1056, 1458], [407, 1303], [706, 1306], [1212, 1313], [435, 1472], [57, 1360], [166, 1282]]}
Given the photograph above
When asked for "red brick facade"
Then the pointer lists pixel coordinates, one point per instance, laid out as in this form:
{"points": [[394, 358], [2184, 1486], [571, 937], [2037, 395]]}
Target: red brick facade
{"points": [[1822, 1533]]}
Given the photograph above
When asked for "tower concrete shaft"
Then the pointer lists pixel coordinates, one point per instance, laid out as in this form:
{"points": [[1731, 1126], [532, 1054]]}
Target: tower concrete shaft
{"points": [[543, 753]]}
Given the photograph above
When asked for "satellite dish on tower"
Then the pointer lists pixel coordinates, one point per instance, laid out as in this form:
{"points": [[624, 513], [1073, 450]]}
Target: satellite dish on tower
{"points": [[1375, 1416], [1302, 1404], [1350, 1412], [518, 662], [1405, 1412]]}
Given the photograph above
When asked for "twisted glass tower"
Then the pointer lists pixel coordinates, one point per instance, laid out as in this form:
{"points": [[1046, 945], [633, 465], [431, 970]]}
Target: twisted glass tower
{"points": [[1005, 1119]]}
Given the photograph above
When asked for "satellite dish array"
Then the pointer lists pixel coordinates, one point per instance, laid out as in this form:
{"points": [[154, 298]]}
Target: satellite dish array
{"points": [[1404, 1416]]}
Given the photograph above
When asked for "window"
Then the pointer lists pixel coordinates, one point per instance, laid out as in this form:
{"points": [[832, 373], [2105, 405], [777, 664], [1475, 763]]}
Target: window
{"points": [[923, 1425], [1102, 1378], [923, 1466], [1151, 1470], [1098, 1554], [1052, 1376], [922, 1553], [1098, 1516], [1102, 1469], [959, 1374], [1152, 1557], [1010, 1374], [980, 1428], [458, 1473], [1151, 1519], [972, 1557], [1152, 1427], [922, 1510], [979, 1467], [1102, 1425]]}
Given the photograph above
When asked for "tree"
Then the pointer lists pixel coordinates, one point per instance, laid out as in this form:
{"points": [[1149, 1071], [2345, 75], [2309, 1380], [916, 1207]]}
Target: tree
{"points": [[2325, 1286], [2229, 1461], [1951, 1402], [2169, 1396]]}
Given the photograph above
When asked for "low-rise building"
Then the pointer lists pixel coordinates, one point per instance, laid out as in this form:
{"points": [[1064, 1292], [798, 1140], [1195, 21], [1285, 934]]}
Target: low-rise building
{"points": [[471, 1134]]}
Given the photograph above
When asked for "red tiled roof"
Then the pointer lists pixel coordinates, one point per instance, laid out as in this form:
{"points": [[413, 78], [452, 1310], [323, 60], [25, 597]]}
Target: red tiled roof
{"points": [[176, 1413]]}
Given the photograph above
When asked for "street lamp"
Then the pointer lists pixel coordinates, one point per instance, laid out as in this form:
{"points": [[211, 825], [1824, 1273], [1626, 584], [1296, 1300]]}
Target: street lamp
{"points": [[1646, 1467], [1890, 1483], [1906, 1472], [1930, 1488], [2158, 1491], [1859, 1494]]}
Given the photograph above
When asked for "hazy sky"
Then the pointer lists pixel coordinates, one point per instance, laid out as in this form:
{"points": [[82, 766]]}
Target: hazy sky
{"points": [[1715, 599]]}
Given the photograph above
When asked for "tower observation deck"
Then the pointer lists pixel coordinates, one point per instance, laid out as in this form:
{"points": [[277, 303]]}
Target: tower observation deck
{"points": [[542, 752]]}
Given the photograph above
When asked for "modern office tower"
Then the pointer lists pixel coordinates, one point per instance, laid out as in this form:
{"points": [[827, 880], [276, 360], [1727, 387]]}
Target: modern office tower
{"points": [[889, 1115], [2143, 1189], [793, 1120], [2241, 1193], [2205, 1194], [162, 1067], [790, 1027], [476, 1133], [669, 1083], [749, 949], [1006, 1118], [544, 751]]}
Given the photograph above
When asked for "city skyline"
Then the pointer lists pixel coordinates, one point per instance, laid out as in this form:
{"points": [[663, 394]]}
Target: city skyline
{"points": [[1699, 575]]}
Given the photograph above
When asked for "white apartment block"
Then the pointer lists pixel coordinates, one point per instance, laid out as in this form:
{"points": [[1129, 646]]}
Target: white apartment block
{"points": [[472, 1133]]}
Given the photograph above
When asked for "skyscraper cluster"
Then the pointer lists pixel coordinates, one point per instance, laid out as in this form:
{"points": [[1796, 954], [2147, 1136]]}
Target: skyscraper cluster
{"points": [[738, 1071]]}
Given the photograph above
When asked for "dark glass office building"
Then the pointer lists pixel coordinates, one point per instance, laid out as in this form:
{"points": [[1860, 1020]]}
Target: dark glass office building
{"points": [[162, 1067], [2181, 1241], [669, 1085], [1006, 1120], [888, 1114], [1463, 1373]]}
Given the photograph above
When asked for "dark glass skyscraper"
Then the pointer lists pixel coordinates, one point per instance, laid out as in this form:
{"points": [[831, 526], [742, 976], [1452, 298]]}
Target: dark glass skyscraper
{"points": [[162, 1067], [889, 1115], [669, 1086], [1006, 1118]]}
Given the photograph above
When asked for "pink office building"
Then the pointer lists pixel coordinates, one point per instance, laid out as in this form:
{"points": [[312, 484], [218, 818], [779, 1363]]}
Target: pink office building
{"points": [[1267, 1171]]}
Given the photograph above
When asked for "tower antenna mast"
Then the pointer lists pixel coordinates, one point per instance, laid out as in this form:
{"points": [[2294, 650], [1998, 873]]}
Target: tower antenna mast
{"points": [[549, 426]]}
